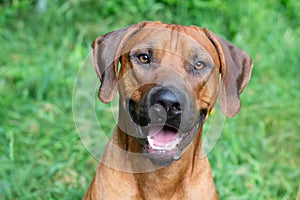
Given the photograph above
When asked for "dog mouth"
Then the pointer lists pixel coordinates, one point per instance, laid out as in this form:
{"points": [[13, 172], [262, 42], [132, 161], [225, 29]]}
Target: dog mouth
{"points": [[163, 144], [163, 138]]}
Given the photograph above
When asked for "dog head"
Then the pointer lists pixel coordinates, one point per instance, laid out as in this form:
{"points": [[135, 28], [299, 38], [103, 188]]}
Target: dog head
{"points": [[168, 82]]}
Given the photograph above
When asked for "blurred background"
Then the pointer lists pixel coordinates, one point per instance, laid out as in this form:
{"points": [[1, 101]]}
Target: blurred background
{"points": [[43, 43]]}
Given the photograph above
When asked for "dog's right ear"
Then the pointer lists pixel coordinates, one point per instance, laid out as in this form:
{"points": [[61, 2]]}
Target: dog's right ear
{"points": [[106, 55]]}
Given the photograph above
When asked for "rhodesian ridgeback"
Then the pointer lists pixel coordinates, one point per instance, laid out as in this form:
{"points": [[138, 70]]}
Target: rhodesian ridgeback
{"points": [[168, 82]]}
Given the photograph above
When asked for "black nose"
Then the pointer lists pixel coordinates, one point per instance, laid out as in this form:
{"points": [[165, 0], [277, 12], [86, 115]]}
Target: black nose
{"points": [[165, 102]]}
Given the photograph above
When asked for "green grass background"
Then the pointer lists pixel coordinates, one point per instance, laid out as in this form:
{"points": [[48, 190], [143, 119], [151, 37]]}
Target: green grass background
{"points": [[41, 155]]}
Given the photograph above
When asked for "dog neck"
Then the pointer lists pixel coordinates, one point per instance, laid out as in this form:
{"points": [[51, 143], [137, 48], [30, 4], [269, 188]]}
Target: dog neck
{"points": [[123, 158]]}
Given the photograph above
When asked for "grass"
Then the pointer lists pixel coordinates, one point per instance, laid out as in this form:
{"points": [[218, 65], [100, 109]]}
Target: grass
{"points": [[41, 154]]}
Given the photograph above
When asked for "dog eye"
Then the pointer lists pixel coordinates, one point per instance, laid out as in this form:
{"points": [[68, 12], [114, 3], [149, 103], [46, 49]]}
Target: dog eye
{"points": [[199, 65], [144, 58]]}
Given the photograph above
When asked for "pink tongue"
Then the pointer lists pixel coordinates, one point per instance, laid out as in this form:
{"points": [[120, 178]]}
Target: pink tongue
{"points": [[162, 136]]}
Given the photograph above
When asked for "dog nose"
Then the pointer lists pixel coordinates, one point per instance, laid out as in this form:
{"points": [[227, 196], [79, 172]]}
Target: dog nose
{"points": [[165, 102]]}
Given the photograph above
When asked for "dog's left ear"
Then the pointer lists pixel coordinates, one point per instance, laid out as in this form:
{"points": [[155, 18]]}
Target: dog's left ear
{"points": [[235, 67]]}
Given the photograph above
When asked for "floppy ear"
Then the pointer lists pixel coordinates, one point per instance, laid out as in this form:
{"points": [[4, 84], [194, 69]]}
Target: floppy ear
{"points": [[106, 55], [235, 68]]}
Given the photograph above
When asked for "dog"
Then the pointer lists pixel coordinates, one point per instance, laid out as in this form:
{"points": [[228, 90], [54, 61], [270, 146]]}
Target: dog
{"points": [[168, 82]]}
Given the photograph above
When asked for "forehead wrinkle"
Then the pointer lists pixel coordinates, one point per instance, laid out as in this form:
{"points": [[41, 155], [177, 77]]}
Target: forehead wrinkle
{"points": [[174, 39], [178, 37], [148, 46], [139, 40]]}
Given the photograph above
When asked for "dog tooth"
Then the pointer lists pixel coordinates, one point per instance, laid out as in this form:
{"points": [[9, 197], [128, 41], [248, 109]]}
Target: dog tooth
{"points": [[151, 143]]}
